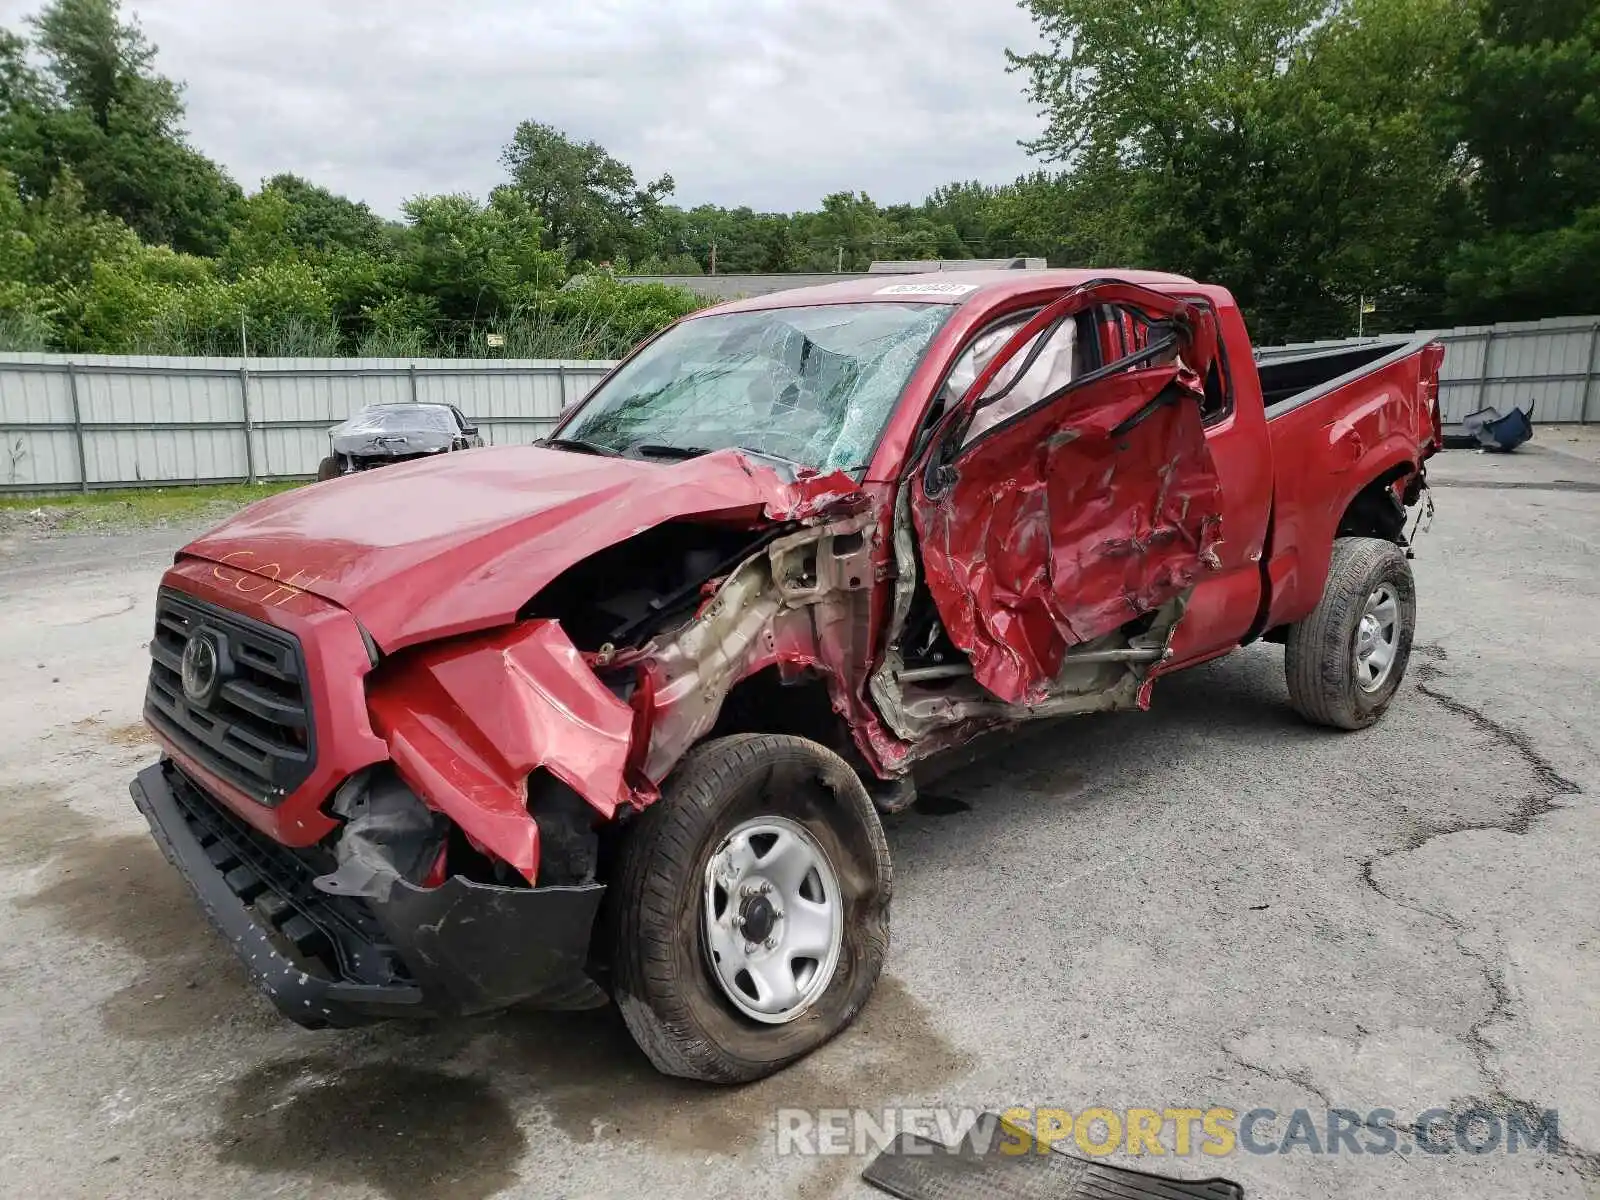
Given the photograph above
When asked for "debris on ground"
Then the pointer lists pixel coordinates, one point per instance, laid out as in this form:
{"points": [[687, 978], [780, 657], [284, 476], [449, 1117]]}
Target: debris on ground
{"points": [[1488, 429]]}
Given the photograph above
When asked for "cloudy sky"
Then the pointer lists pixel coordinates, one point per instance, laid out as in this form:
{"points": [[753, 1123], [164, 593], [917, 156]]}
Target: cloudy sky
{"points": [[771, 103]]}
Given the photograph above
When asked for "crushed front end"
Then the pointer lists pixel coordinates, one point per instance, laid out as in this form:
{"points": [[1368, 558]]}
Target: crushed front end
{"points": [[331, 960], [423, 831], [347, 898]]}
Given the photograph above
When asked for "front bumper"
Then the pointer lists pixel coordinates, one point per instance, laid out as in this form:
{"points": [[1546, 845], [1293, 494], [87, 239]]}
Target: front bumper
{"points": [[459, 948]]}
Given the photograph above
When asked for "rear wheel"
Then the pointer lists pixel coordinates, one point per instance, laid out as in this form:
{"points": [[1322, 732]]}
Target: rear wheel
{"points": [[749, 914], [328, 468], [1345, 661]]}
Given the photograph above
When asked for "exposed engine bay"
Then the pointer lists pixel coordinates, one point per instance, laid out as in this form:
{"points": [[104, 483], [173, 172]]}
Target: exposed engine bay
{"points": [[625, 592]]}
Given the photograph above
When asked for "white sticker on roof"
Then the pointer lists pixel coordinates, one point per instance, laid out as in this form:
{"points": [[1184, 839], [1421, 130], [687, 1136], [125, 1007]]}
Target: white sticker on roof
{"points": [[927, 289]]}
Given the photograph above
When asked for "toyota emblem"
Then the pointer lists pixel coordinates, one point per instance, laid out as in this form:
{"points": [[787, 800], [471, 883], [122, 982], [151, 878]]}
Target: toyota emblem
{"points": [[200, 668]]}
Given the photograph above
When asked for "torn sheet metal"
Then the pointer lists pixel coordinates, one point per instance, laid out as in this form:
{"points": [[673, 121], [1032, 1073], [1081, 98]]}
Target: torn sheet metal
{"points": [[1054, 532], [467, 723], [801, 603], [389, 835]]}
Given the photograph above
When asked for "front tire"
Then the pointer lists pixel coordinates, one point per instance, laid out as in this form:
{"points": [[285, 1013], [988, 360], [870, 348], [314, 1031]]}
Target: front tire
{"points": [[763, 837], [328, 468], [1345, 661]]}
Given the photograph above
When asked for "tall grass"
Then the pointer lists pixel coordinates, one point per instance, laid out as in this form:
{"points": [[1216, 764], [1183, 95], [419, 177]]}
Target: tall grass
{"points": [[525, 334], [531, 332], [292, 337], [536, 334], [24, 332]]}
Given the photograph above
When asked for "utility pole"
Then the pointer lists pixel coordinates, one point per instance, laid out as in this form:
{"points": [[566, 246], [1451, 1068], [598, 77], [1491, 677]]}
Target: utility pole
{"points": [[713, 256], [839, 270], [244, 402]]}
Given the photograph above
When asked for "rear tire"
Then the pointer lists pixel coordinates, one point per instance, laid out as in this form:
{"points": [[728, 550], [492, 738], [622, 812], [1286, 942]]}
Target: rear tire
{"points": [[328, 468], [680, 1011], [1345, 661]]}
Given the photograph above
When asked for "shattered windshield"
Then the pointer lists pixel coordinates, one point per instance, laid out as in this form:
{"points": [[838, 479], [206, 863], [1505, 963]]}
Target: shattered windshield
{"points": [[814, 385]]}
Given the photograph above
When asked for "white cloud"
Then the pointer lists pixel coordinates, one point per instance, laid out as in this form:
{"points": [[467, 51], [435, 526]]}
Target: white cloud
{"points": [[771, 103]]}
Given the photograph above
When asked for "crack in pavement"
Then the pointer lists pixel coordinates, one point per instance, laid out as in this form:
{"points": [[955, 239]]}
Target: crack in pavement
{"points": [[1299, 1079], [1304, 1081], [1552, 784], [129, 603]]}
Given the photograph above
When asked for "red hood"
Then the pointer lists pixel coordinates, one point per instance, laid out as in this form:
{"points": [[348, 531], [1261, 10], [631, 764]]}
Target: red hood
{"points": [[461, 542]]}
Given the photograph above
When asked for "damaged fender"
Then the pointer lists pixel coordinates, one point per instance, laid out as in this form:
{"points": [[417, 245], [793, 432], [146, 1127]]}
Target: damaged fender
{"points": [[467, 723], [801, 603]]}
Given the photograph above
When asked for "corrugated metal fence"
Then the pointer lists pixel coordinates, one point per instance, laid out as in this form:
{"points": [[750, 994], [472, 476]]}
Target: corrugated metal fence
{"points": [[1555, 363], [100, 421]]}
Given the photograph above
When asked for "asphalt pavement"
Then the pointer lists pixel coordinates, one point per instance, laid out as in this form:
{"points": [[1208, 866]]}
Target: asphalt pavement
{"points": [[1208, 905]]}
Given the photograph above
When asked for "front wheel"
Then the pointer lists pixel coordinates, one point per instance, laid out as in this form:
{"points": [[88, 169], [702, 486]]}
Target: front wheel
{"points": [[1345, 661], [749, 914]]}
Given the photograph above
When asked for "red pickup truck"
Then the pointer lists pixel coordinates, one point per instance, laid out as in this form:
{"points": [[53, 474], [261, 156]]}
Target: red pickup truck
{"points": [[614, 716]]}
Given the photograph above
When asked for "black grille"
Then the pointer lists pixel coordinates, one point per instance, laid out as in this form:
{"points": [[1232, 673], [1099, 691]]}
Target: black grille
{"points": [[255, 729], [335, 937]]}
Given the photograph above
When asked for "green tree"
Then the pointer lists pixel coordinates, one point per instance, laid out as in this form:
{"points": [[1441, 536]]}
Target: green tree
{"points": [[969, 209], [100, 110], [354, 254], [258, 232], [316, 221], [70, 238], [49, 252], [744, 241], [848, 233], [615, 316], [18, 301], [591, 202], [1293, 149], [479, 261], [24, 101], [1529, 112]]}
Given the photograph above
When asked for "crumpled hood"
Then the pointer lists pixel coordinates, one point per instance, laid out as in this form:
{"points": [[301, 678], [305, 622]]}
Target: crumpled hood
{"points": [[461, 542]]}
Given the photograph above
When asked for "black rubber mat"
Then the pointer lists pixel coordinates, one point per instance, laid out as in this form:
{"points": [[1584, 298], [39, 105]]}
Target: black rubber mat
{"points": [[914, 1168]]}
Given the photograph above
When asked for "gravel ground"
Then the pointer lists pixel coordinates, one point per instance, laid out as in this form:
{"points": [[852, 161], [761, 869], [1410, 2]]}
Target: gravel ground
{"points": [[1209, 904]]}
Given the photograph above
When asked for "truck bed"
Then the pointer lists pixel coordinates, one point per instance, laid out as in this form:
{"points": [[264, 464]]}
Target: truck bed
{"points": [[1346, 425], [1293, 376]]}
